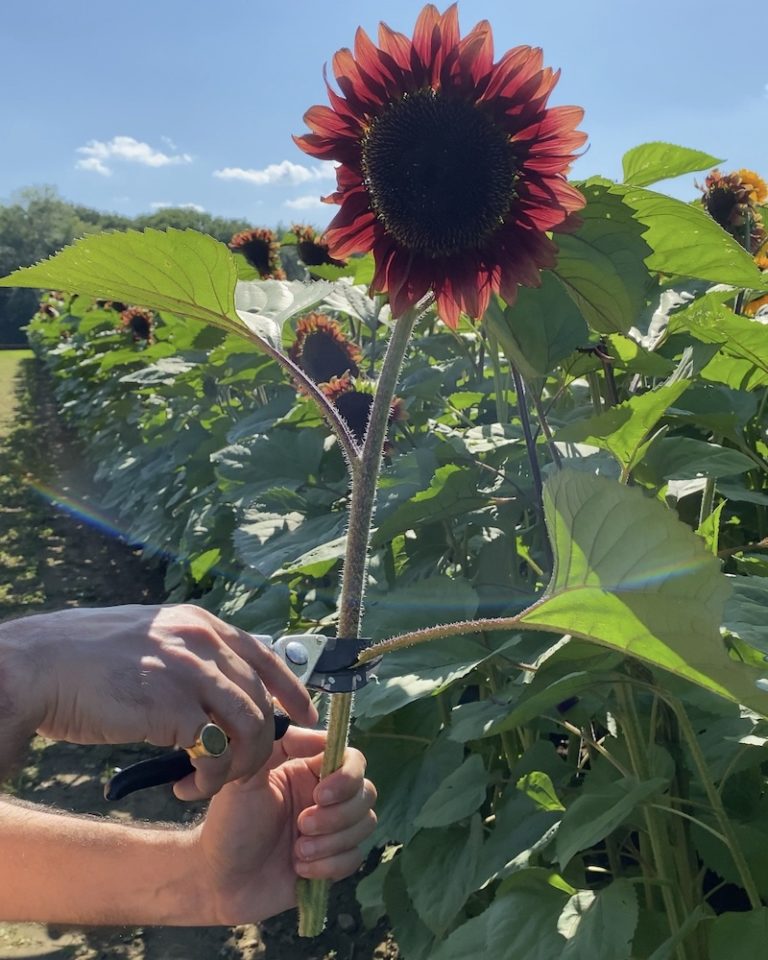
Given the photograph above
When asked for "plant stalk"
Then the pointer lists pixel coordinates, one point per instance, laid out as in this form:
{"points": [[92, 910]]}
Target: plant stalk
{"points": [[312, 895]]}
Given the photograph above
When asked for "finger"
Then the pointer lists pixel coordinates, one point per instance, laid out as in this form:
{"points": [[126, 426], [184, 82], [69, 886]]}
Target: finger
{"points": [[332, 868], [333, 844], [342, 783], [275, 675], [249, 726], [323, 820], [301, 743]]}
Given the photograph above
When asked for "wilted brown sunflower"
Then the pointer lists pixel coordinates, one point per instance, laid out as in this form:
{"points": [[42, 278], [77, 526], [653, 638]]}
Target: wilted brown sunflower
{"points": [[313, 250], [321, 349], [140, 323], [261, 250], [452, 168]]}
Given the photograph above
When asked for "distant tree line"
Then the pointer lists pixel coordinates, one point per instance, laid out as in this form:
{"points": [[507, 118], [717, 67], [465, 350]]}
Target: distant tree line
{"points": [[38, 222]]}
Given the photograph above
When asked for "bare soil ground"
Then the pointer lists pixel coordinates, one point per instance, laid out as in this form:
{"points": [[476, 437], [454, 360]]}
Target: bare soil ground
{"points": [[50, 559]]}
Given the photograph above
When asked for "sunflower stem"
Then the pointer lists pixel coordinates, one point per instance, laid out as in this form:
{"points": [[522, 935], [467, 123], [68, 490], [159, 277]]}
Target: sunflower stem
{"points": [[533, 459], [312, 895]]}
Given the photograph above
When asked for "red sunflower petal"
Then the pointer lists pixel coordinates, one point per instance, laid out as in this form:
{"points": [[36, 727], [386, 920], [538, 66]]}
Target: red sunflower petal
{"points": [[397, 45], [515, 67], [426, 40], [327, 123], [357, 88], [476, 52]]}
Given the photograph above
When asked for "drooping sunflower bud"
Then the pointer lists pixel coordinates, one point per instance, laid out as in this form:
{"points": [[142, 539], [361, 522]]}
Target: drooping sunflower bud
{"points": [[354, 399], [322, 351], [261, 250], [313, 250]]}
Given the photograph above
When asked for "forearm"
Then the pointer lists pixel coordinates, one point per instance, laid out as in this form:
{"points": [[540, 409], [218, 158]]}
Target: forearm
{"points": [[55, 867], [18, 678]]}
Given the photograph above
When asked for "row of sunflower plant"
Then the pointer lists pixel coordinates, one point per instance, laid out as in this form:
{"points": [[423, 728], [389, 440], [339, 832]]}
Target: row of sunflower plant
{"points": [[566, 435]]}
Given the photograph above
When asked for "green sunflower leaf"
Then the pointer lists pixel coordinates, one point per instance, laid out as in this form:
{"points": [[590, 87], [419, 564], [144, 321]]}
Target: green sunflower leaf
{"points": [[743, 359], [650, 162], [623, 430], [630, 576], [540, 329], [602, 264], [596, 813], [687, 242], [182, 271]]}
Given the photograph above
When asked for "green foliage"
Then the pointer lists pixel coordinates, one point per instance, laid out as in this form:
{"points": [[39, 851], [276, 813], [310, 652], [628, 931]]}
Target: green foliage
{"points": [[651, 162], [575, 775]]}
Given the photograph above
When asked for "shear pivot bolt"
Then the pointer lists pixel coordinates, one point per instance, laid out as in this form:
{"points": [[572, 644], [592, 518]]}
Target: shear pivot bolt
{"points": [[296, 653]]}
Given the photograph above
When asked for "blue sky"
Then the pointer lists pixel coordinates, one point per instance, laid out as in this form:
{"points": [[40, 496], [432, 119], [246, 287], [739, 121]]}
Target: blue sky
{"points": [[127, 106]]}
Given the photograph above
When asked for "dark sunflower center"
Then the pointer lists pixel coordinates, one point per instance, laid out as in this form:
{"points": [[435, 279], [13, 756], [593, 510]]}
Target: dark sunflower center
{"points": [[440, 173], [256, 252]]}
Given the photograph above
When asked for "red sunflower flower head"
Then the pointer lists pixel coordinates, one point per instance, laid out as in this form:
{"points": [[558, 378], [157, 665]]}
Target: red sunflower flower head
{"points": [[139, 322], [354, 399], [322, 351], [313, 250], [261, 250], [451, 165]]}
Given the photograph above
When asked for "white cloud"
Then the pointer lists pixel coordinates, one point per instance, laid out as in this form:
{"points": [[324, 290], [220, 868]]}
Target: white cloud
{"points": [[310, 202], [96, 152], [162, 205], [94, 165], [283, 172], [169, 143]]}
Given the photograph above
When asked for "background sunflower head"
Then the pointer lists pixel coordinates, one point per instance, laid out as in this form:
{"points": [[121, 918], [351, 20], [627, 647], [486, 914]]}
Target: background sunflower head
{"points": [[140, 323], [262, 250], [313, 250], [730, 199], [353, 398], [322, 351]]}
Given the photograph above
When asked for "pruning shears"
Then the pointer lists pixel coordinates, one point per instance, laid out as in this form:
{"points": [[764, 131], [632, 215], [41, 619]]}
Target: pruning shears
{"points": [[324, 664]]}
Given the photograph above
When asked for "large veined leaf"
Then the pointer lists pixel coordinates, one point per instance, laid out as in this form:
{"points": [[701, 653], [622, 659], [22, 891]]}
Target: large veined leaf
{"points": [[604, 930], [602, 264], [182, 271], [540, 329], [520, 924], [650, 162], [743, 342], [265, 305], [672, 237], [623, 430], [599, 811], [739, 936], [687, 242], [439, 868], [629, 575]]}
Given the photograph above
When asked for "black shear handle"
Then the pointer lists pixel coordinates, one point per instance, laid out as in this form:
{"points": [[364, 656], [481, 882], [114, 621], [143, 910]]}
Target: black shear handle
{"points": [[167, 768]]}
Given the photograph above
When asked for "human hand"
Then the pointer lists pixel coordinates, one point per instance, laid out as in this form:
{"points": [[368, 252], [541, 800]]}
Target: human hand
{"points": [[262, 833], [155, 673]]}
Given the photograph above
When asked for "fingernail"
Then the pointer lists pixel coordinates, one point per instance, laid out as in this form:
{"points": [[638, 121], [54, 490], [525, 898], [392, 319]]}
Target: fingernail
{"points": [[307, 848], [308, 824], [325, 795]]}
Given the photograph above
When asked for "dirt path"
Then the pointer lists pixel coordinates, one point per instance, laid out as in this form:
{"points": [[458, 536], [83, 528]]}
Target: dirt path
{"points": [[51, 559]]}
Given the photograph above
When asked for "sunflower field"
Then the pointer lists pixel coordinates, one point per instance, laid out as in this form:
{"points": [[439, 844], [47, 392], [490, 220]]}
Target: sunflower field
{"points": [[515, 435]]}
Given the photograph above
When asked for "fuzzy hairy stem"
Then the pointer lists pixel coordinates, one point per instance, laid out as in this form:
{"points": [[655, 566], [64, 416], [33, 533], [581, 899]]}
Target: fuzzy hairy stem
{"points": [[324, 405], [313, 894]]}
